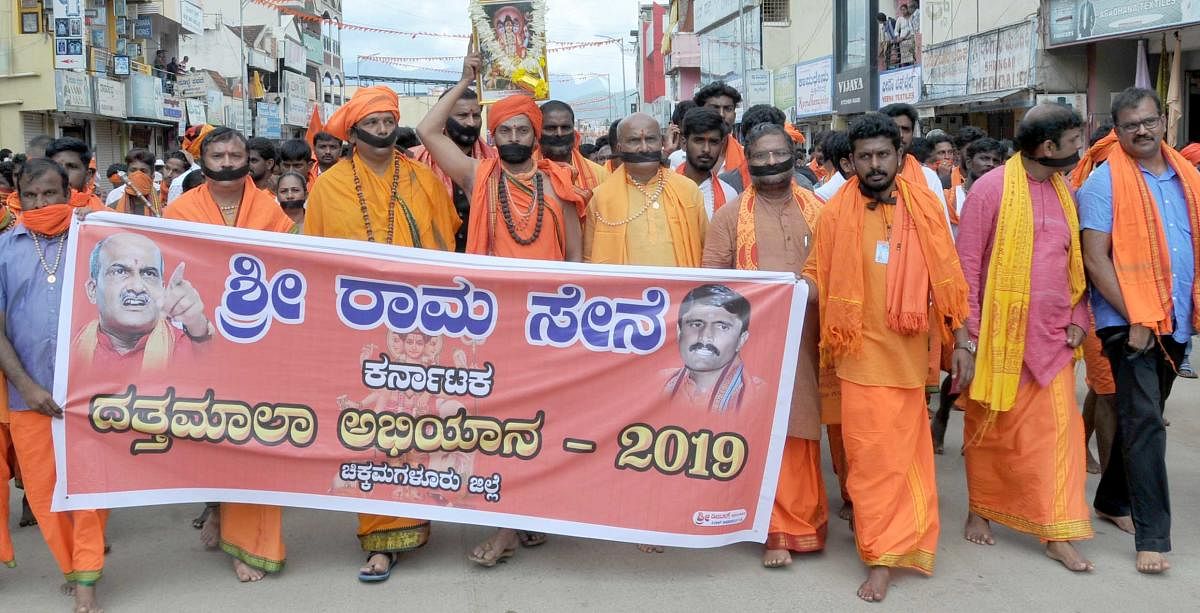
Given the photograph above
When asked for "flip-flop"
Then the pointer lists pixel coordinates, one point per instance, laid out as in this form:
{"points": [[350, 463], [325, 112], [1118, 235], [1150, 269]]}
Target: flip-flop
{"points": [[531, 539], [370, 577], [487, 548]]}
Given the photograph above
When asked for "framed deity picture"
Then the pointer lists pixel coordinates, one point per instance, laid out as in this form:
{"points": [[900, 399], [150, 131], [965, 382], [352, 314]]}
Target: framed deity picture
{"points": [[30, 23], [511, 37]]}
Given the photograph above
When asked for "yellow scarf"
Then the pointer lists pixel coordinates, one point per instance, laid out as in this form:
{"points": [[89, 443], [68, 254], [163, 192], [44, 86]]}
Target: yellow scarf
{"points": [[158, 349], [1005, 304]]}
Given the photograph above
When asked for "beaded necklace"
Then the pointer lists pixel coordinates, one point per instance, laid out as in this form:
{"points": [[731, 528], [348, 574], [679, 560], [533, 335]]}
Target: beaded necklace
{"points": [[392, 201], [651, 200], [539, 203]]}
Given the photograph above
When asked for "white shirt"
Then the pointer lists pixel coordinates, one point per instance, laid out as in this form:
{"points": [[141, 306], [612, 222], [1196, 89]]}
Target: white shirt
{"points": [[706, 189], [114, 196], [935, 185], [176, 189], [676, 158], [827, 189]]}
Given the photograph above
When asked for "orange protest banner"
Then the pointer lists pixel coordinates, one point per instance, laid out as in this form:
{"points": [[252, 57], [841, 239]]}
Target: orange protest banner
{"points": [[624, 403]]}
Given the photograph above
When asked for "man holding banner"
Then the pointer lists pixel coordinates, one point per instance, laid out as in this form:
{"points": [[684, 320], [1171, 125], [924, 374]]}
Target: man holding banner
{"points": [[30, 290], [251, 534], [770, 228], [427, 219], [875, 287]]}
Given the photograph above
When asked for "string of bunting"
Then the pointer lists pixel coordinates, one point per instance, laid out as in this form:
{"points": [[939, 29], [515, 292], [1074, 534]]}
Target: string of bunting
{"points": [[274, 4]]}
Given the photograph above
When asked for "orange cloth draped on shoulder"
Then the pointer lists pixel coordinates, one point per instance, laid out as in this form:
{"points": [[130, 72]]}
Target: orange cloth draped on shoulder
{"points": [[13, 202], [747, 242], [488, 232], [140, 197], [606, 241], [257, 211], [1191, 153], [585, 174], [1027, 470], [481, 151], [335, 211], [250, 533], [75, 538], [800, 516], [1093, 157], [718, 193], [956, 177], [365, 101], [1139, 248], [927, 267], [796, 135], [891, 476], [951, 194]]}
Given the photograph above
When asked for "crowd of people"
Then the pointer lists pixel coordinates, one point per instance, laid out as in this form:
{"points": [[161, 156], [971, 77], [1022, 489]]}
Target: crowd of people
{"points": [[960, 267]]}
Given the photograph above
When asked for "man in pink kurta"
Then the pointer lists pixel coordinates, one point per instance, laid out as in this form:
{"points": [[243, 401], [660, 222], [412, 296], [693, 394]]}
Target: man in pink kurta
{"points": [[1024, 455]]}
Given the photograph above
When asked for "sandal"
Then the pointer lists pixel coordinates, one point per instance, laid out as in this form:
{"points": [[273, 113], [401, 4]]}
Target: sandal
{"points": [[483, 560], [531, 539], [370, 577]]}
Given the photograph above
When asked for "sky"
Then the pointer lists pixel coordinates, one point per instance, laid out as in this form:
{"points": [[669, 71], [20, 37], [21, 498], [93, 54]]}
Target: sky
{"points": [[566, 20]]}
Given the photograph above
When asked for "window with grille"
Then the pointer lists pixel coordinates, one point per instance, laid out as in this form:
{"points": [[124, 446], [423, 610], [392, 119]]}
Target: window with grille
{"points": [[776, 12]]}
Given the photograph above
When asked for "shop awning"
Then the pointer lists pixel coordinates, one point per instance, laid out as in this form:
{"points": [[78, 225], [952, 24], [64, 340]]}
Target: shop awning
{"points": [[150, 122], [986, 101]]}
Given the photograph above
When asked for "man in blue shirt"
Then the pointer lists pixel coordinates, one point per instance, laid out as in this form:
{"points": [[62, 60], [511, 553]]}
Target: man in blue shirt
{"points": [[31, 284], [1143, 184]]}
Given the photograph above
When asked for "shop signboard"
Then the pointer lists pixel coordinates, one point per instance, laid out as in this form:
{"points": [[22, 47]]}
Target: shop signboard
{"points": [[73, 91], [944, 68], [1078, 21], [68, 35], [900, 85], [110, 98], [191, 17], [814, 87], [267, 121]]}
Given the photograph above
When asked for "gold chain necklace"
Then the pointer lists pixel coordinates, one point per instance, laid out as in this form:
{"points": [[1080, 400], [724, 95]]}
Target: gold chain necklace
{"points": [[51, 273], [651, 200]]}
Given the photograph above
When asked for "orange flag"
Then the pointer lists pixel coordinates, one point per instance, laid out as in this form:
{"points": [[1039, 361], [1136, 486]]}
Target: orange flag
{"points": [[314, 125]]}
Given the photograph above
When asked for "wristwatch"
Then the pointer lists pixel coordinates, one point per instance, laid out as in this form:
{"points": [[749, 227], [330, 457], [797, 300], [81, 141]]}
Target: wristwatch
{"points": [[968, 344]]}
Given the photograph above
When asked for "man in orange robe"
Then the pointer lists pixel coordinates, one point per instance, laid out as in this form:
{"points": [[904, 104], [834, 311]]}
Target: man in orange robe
{"points": [[770, 228], [645, 214], [521, 207], [251, 534], [886, 277], [560, 143], [379, 195], [463, 126], [1023, 432], [30, 279]]}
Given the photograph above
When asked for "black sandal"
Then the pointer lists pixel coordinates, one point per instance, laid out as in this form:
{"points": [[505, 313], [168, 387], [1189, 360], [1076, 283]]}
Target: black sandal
{"points": [[531, 539]]}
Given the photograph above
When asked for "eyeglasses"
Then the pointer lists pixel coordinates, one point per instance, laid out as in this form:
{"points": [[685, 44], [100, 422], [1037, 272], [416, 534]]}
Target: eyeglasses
{"points": [[1132, 127], [764, 157]]}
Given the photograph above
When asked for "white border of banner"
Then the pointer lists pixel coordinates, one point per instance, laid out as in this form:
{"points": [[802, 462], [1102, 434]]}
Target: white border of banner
{"points": [[757, 533]]}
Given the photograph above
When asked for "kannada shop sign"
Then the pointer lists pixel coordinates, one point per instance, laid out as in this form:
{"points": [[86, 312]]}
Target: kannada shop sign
{"points": [[814, 93], [441, 393], [900, 85], [1076, 21]]}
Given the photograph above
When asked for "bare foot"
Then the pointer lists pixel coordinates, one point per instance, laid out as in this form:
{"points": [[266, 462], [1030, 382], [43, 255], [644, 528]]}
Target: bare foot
{"points": [[246, 573], [377, 564], [875, 588], [1152, 562], [978, 530], [650, 549], [85, 599], [1124, 522], [501, 546], [67, 589], [847, 511], [210, 534], [939, 448], [777, 558], [1065, 552], [1093, 467]]}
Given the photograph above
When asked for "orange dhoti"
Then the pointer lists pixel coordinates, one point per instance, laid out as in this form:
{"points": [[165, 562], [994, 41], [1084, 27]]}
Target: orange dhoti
{"points": [[800, 516], [889, 453], [6, 547], [75, 538], [831, 417], [391, 534], [1027, 470], [253, 533]]}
